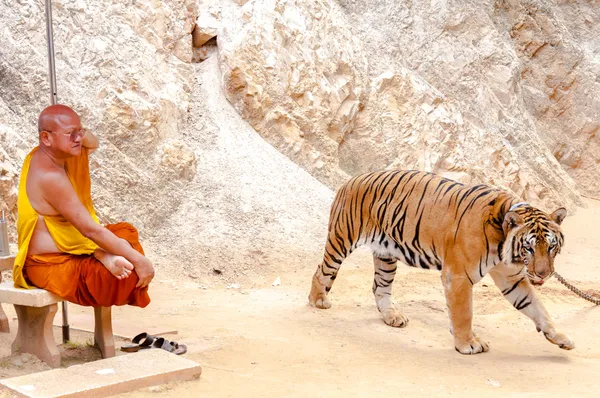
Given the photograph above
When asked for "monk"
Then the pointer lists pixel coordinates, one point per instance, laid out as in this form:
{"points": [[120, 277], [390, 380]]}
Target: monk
{"points": [[62, 246]]}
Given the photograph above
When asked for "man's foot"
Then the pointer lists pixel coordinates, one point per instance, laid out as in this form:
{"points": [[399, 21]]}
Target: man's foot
{"points": [[117, 265]]}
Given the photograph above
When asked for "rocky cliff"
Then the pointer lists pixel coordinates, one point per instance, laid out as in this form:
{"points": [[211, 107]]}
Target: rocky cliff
{"points": [[504, 92]]}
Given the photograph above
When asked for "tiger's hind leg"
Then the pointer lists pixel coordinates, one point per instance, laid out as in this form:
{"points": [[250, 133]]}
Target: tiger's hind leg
{"points": [[326, 273], [385, 271]]}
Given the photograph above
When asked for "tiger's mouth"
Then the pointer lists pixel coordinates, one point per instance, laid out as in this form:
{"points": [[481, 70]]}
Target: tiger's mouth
{"points": [[536, 280]]}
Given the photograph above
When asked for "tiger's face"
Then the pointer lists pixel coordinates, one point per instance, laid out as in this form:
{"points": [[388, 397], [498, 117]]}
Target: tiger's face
{"points": [[533, 239]]}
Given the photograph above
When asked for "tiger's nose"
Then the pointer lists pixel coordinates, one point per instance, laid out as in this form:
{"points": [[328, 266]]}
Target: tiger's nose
{"points": [[543, 273]]}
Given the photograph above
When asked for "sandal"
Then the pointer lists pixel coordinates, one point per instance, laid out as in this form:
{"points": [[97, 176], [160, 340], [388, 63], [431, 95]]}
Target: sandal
{"points": [[170, 346], [141, 341], [178, 349]]}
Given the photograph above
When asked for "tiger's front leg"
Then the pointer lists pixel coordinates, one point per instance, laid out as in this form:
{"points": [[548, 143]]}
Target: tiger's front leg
{"points": [[520, 293], [459, 299]]}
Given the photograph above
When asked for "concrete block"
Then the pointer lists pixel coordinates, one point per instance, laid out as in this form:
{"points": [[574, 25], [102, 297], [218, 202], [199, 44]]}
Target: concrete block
{"points": [[106, 377]]}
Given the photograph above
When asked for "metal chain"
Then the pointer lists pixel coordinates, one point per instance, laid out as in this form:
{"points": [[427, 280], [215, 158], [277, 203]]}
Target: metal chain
{"points": [[578, 292]]}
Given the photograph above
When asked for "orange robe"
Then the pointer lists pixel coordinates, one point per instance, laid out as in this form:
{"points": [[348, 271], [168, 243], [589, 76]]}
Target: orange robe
{"points": [[74, 274]]}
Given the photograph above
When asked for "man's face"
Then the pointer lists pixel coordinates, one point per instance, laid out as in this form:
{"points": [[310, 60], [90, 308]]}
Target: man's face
{"points": [[66, 136]]}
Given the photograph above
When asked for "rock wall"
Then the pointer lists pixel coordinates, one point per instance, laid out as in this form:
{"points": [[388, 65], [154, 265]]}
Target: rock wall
{"points": [[558, 48], [504, 92], [454, 87]]}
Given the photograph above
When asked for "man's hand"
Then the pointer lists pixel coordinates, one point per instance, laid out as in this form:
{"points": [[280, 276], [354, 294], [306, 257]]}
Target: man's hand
{"points": [[90, 141], [144, 269]]}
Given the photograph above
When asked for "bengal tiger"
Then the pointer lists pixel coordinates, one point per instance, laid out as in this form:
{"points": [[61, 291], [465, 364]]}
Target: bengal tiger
{"points": [[465, 231]]}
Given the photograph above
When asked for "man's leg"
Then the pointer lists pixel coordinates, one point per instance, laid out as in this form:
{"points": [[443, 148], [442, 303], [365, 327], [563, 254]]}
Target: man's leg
{"points": [[103, 287], [84, 280]]}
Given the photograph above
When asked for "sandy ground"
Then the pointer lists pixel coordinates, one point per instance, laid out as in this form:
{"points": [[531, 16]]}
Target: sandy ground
{"points": [[266, 341]]}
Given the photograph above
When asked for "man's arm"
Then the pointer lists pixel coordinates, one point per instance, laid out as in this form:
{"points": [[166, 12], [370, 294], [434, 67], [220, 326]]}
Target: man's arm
{"points": [[90, 141], [59, 193]]}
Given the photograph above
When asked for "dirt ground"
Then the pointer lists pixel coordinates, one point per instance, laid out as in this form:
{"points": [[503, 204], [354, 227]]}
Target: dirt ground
{"points": [[255, 341]]}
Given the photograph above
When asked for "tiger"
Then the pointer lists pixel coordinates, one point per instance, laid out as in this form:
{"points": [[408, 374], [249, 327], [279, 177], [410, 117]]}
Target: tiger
{"points": [[463, 230]]}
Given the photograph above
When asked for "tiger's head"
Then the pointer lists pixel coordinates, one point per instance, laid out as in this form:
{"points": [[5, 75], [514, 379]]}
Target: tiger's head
{"points": [[532, 239]]}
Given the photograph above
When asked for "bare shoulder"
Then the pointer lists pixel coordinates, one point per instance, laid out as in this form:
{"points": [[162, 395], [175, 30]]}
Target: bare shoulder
{"points": [[55, 183], [43, 171], [52, 179]]}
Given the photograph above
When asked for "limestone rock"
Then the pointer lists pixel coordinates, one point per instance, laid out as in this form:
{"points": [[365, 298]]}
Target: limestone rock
{"points": [[504, 92], [204, 29], [176, 157], [559, 53], [343, 87], [525, 71], [297, 74]]}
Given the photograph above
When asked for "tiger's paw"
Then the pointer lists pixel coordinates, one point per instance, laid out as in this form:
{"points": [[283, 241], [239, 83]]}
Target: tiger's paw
{"points": [[394, 318], [475, 345], [320, 302], [560, 339]]}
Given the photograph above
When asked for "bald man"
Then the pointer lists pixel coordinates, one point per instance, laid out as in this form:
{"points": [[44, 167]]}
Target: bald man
{"points": [[62, 246]]}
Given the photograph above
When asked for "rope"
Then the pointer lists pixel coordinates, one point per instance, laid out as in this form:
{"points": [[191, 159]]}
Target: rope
{"points": [[578, 292]]}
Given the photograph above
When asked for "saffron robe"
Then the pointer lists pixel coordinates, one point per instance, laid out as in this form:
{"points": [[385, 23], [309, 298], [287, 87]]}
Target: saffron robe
{"points": [[74, 274]]}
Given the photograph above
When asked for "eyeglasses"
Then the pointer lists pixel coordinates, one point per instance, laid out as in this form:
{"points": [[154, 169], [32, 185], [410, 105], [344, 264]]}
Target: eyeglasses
{"points": [[73, 135]]}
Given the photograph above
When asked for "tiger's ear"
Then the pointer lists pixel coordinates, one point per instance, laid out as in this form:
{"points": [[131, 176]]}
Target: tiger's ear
{"points": [[511, 220], [559, 215]]}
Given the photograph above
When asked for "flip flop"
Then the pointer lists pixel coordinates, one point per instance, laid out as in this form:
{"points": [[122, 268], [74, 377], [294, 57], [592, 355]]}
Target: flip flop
{"points": [[141, 341], [170, 346], [178, 349], [162, 343]]}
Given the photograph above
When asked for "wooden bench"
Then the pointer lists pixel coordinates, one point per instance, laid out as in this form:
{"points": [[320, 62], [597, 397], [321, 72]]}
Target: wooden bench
{"points": [[35, 310]]}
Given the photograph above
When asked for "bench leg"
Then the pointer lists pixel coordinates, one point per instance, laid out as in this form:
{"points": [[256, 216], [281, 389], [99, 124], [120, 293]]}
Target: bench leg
{"points": [[103, 333], [4, 328], [34, 333]]}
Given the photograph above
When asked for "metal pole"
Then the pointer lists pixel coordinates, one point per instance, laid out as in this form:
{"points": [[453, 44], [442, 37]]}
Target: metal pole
{"points": [[53, 101], [51, 67]]}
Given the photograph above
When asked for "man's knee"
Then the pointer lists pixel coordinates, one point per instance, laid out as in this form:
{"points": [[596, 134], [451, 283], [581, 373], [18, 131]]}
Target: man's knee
{"points": [[128, 232], [122, 227]]}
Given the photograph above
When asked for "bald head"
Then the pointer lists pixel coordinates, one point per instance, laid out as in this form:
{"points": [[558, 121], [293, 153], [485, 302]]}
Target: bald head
{"points": [[56, 118]]}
